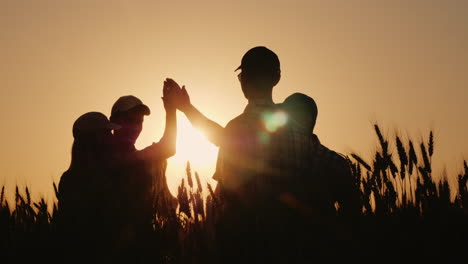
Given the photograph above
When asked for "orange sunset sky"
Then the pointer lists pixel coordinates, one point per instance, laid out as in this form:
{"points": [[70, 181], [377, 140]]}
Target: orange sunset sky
{"points": [[400, 63]]}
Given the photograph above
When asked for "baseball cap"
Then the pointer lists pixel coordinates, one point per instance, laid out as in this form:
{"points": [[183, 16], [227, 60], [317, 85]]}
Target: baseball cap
{"points": [[260, 59], [92, 122], [128, 102]]}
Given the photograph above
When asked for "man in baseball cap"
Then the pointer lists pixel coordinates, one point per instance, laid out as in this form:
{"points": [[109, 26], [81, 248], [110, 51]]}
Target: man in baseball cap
{"points": [[260, 72], [142, 171], [260, 59], [128, 111], [128, 103]]}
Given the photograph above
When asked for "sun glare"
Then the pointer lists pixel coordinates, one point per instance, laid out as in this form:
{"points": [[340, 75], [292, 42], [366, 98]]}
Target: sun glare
{"points": [[193, 147]]}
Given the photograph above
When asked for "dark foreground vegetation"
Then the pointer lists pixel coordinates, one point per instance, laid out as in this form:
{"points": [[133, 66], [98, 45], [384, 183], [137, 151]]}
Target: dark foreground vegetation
{"points": [[406, 213]]}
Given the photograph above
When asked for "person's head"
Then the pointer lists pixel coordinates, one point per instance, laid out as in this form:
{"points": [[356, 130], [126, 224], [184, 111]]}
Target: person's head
{"points": [[260, 72], [92, 138], [128, 112], [302, 110]]}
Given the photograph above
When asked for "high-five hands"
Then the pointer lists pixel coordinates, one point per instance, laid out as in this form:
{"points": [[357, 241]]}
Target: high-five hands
{"points": [[181, 98], [170, 95]]}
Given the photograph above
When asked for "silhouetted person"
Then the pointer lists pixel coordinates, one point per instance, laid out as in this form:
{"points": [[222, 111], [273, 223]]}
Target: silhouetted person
{"points": [[83, 206], [244, 173], [321, 189], [142, 181], [336, 188]]}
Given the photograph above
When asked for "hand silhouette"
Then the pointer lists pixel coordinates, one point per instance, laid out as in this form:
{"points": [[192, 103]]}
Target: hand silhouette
{"points": [[170, 95], [182, 98]]}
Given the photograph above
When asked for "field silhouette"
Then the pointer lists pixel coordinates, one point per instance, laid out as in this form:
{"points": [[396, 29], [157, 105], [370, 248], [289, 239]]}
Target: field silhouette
{"points": [[405, 214]]}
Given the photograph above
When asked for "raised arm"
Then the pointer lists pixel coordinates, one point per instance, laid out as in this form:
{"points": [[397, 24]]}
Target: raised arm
{"points": [[166, 147], [212, 130]]}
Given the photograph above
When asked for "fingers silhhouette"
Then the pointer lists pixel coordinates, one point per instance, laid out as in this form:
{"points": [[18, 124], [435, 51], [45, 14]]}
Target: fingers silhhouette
{"points": [[173, 83], [165, 88]]}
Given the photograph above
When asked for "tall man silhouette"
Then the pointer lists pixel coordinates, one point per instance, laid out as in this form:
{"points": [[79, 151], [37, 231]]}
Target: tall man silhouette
{"points": [[241, 164], [246, 180], [250, 172]]}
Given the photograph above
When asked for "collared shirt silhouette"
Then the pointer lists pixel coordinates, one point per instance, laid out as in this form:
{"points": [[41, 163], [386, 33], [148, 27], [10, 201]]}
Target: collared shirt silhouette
{"points": [[244, 173], [323, 177], [243, 155]]}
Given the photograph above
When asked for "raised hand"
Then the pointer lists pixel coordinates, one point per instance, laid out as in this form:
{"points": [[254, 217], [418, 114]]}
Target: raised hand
{"points": [[181, 97], [169, 95], [183, 100]]}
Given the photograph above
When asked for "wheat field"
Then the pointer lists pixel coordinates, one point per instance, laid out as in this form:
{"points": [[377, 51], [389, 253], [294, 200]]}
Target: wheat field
{"points": [[404, 212]]}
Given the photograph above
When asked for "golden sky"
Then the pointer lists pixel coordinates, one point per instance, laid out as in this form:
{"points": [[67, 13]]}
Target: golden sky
{"points": [[400, 63]]}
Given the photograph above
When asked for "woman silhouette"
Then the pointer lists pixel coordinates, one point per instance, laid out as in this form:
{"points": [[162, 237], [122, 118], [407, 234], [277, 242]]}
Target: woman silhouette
{"points": [[84, 214]]}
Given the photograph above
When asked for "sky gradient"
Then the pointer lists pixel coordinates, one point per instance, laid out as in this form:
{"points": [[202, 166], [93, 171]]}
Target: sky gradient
{"points": [[399, 63]]}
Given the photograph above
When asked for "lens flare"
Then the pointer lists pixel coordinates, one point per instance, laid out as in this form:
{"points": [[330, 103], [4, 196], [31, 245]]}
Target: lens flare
{"points": [[274, 120]]}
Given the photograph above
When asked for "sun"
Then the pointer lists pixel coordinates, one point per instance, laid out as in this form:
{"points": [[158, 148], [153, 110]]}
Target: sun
{"points": [[193, 147]]}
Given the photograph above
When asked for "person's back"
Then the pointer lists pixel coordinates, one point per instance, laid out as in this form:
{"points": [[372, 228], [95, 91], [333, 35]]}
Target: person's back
{"points": [[83, 219], [81, 195], [320, 165], [322, 186]]}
